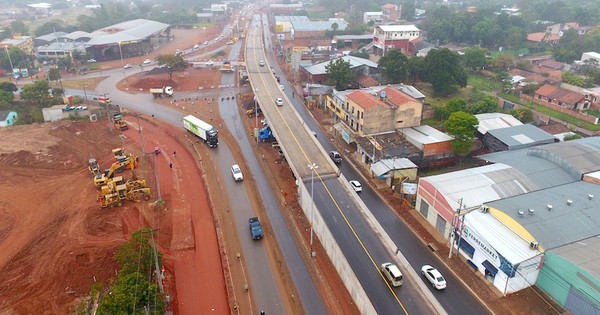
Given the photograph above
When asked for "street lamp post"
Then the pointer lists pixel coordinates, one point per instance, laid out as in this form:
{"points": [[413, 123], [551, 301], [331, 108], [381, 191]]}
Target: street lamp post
{"points": [[84, 92], [9, 60], [121, 53], [312, 167]]}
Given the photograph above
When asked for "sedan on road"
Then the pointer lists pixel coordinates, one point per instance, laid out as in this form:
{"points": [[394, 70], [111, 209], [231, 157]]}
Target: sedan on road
{"points": [[356, 185], [237, 172], [279, 101], [127, 66], [434, 277], [147, 61]]}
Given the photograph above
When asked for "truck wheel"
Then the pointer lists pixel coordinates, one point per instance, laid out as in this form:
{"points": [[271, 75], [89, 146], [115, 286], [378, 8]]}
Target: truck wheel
{"points": [[146, 197]]}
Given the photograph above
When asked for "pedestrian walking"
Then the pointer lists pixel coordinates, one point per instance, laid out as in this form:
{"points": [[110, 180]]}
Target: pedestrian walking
{"points": [[174, 153], [170, 165]]}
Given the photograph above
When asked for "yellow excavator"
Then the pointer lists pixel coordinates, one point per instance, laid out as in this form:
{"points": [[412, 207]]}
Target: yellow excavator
{"points": [[103, 178], [115, 192]]}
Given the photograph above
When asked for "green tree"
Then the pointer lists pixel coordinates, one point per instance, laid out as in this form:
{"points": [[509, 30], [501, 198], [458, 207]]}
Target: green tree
{"points": [[524, 115], [475, 58], [137, 255], [6, 97], [131, 294], [19, 27], [8, 86], [572, 136], [172, 64], [442, 68], [462, 127], [54, 74], [455, 105], [36, 92], [339, 73], [414, 66], [574, 79], [360, 54], [393, 66], [489, 104]]}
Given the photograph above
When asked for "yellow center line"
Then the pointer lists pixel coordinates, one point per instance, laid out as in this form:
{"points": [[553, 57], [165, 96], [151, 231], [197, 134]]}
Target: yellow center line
{"points": [[331, 195]]}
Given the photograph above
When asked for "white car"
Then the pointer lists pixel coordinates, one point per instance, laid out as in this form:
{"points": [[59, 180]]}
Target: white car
{"points": [[196, 47], [392, 273], [434, 277], [205, 43], [209, 63], [91, 60], [356, 185], [281, 87], [261, 63], [237, 172], [127, 66], [147, 61], [279, 101]]}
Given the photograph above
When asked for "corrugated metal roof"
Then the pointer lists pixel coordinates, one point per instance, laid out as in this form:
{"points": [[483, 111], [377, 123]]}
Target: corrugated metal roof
{"points": [[522, 136], [576, 156], [584, 253], [319, 68], [290, 18], [77, 35], [481, 184], [543, 172], [425, 134], [399, 28], [564, 224], [355, 37], [502, 239], [129, 31], [383, 166], [51, 37], [490, 121], [315, 26]]}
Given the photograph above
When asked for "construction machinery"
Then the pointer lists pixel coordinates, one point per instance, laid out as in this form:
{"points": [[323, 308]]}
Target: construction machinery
{"points": [[120, 193], [93, 166], [118, 122], [103, 178], [116, 191]]}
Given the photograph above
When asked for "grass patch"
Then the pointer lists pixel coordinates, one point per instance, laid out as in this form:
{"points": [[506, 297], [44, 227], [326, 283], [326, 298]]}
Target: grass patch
{"points": [[425, 88], [553, 113], [90, 83], [483, 83]]}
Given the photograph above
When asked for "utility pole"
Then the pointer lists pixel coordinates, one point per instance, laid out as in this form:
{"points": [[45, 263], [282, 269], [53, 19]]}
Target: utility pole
{"points": [[312, 167], [107, 111], [84, 92]]}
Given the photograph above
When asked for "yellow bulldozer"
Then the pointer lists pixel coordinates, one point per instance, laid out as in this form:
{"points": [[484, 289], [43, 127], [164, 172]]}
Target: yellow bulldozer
{"points": [[115, 192]]}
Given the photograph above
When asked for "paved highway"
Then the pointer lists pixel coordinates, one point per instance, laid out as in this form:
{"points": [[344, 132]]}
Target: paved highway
{"points": [[360, 243], [457, 298]]}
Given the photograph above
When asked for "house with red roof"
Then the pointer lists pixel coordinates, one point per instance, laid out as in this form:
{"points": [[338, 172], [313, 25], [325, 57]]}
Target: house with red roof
{"points": [[554, 96], [381, 112]]}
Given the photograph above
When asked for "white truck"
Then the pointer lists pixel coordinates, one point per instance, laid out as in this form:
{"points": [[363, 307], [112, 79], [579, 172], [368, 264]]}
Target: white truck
{"points": [[161, 91], [205, 131]]}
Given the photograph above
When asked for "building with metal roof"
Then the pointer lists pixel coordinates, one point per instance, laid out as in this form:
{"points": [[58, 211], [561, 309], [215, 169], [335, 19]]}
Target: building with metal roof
{"points": [[516, 137], [317, 73], [490, 121], [557, 222], [394, 170]]}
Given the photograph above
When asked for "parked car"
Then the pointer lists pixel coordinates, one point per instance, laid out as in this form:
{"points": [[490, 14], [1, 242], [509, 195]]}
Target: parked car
{"points": [[91, 60], [196, 47], [335, 156], [392, 273], [237, 173], [434, 277], [209, 63], [279, 101], [147, 61], [127, 66], [205, 43], [356, 185], [255, 228]]}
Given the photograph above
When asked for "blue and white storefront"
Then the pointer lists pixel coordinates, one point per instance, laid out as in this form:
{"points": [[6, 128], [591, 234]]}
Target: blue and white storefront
{"points": [[508, 260]]}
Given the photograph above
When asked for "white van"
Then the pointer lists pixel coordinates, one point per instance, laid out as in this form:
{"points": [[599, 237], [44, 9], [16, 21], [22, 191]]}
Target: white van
{"points": [[392, 273]]}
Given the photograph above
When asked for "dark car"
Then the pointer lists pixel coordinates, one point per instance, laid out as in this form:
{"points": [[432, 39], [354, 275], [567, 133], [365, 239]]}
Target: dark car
{"points": [[335, 156], [255, 228]]}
